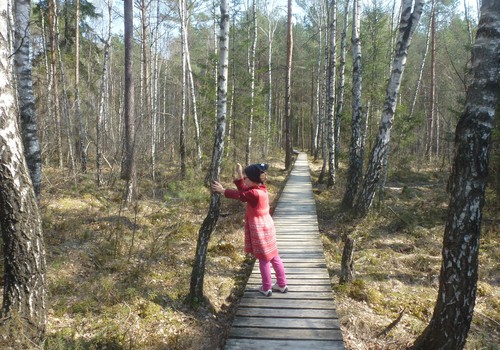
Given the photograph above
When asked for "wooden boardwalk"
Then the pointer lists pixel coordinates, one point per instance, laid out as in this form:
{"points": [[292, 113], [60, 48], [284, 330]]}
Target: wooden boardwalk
{"points": [[305, 317]]}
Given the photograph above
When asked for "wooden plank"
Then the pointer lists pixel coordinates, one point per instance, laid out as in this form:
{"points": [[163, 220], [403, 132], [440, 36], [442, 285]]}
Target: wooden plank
{"points": [[296, 287], [287, 304], [292, 294], [288, 313], [258, 344], [284, 333], [264, 322]]}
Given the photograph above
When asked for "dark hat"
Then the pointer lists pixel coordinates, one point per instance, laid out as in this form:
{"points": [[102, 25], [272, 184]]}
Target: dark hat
{"points": [[253, 171]]}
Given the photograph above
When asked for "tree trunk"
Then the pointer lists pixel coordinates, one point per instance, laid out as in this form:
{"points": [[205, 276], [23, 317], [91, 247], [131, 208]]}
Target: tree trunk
{"points": [[408, 24], [317, 129], [129, 165], [25, 93], [248, 153], [101, 117], [24, 312], [55, 90], [198, 272], [184, 25], [340, 96], [431, 132], [331, 96], [347, 264], [355, 171], [454, 307], [81, 143], [182, 127], [288, 91]]}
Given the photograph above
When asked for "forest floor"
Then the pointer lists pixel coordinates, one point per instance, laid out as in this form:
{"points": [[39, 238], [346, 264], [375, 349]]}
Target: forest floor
{"points": [[118, 276]]}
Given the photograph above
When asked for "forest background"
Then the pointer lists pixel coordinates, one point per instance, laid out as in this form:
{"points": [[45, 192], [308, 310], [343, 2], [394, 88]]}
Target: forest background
{"points": [[118, 273]]}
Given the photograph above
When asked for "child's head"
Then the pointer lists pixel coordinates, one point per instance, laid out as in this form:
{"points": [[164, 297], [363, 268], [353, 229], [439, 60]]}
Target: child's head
{"points": [[256, 172]]}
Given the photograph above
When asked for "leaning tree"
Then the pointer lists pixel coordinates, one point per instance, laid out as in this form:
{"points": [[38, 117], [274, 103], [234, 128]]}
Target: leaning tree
{"points": [[454, 307]]}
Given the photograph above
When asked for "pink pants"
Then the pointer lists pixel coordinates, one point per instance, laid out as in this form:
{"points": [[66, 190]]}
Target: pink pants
{"points": [[265, 272]]}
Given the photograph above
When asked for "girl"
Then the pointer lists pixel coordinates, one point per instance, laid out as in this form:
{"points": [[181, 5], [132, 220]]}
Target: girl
{"points": [[260, 234]]}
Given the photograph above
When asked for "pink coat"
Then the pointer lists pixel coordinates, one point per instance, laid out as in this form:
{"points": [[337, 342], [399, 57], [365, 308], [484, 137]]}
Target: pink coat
{"points": [[260, 234]]}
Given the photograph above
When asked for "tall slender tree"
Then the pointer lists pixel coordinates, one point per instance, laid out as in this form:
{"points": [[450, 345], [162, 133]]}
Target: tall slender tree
{"points": [[208, 225], [248, 155], [410, 16], [288, 90], [332, 62], [129, 170], [355, 172], [26, 97], [455, 302], [23, 315], [78, 111]]}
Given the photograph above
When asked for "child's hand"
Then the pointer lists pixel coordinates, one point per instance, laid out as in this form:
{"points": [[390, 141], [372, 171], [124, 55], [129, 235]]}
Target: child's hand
{"points": [[217, 187], [239, 171]]}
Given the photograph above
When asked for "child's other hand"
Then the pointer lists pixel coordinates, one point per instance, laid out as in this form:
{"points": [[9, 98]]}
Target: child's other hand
{"points": [[217, 187], [239, 171]]}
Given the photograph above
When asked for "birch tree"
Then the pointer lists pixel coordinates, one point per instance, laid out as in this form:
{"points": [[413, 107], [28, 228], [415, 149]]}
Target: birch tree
{"points": [[454, 307], [288, 90], [23, 315], [208, 225], [355, 171], [101, 116], [331, 94], [26, 97], [252, 84], [410, 16], [340, 95]]}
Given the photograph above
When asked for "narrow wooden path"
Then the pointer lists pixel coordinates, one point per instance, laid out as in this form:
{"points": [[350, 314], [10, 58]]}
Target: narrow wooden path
{"points": [[305, 317]]}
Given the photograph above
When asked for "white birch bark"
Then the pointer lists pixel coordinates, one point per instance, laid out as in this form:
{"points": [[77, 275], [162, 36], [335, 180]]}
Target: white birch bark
{"points": [[23, 314], [26, 97], [467, 184], [331, 94], [355, 171], [248, 153], [410, 16], [198, 272]]}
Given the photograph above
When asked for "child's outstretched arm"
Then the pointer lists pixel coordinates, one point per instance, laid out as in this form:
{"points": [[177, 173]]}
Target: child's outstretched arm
{"points": [[238, 172]]}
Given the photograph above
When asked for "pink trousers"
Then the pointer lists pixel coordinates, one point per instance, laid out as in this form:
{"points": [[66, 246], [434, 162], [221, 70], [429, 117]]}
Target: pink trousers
{"points": [[265, 272]]}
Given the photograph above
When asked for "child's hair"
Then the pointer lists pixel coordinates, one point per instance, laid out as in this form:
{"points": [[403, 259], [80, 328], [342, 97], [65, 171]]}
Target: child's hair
{"points": [[254, 172]]}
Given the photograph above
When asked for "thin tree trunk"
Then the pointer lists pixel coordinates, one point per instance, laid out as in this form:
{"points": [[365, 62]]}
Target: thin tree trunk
{"points": [[23, 315], [455, 302], [408, 23], [340, 96], [288, 91], [331, 95], [198, 273], [101, 116], [191, 89], [26, 96], [347, 263], [355, 171], [79, 117], [317, 129], [432, 111], [248, 153], [53, 65], [129, 105], [182, 127]]}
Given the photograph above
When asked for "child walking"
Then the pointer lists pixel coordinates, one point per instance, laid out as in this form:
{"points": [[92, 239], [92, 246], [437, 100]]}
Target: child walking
{"points": [[260, 233]]}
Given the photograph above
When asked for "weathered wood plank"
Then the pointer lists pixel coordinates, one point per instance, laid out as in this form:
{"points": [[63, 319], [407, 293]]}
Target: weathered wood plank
{"points": [[258, 344], [293, 294], [295, 313], [264, 322], [286, 333], [287, 303]]}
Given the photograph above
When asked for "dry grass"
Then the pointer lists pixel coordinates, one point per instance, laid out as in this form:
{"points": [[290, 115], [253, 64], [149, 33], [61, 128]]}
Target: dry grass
{"points": [[397, 261], [118, 276]]}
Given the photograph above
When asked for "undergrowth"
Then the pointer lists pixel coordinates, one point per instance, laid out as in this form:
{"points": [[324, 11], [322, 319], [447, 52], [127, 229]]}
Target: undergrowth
{"points": [[397, 261], [118, 275]]}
